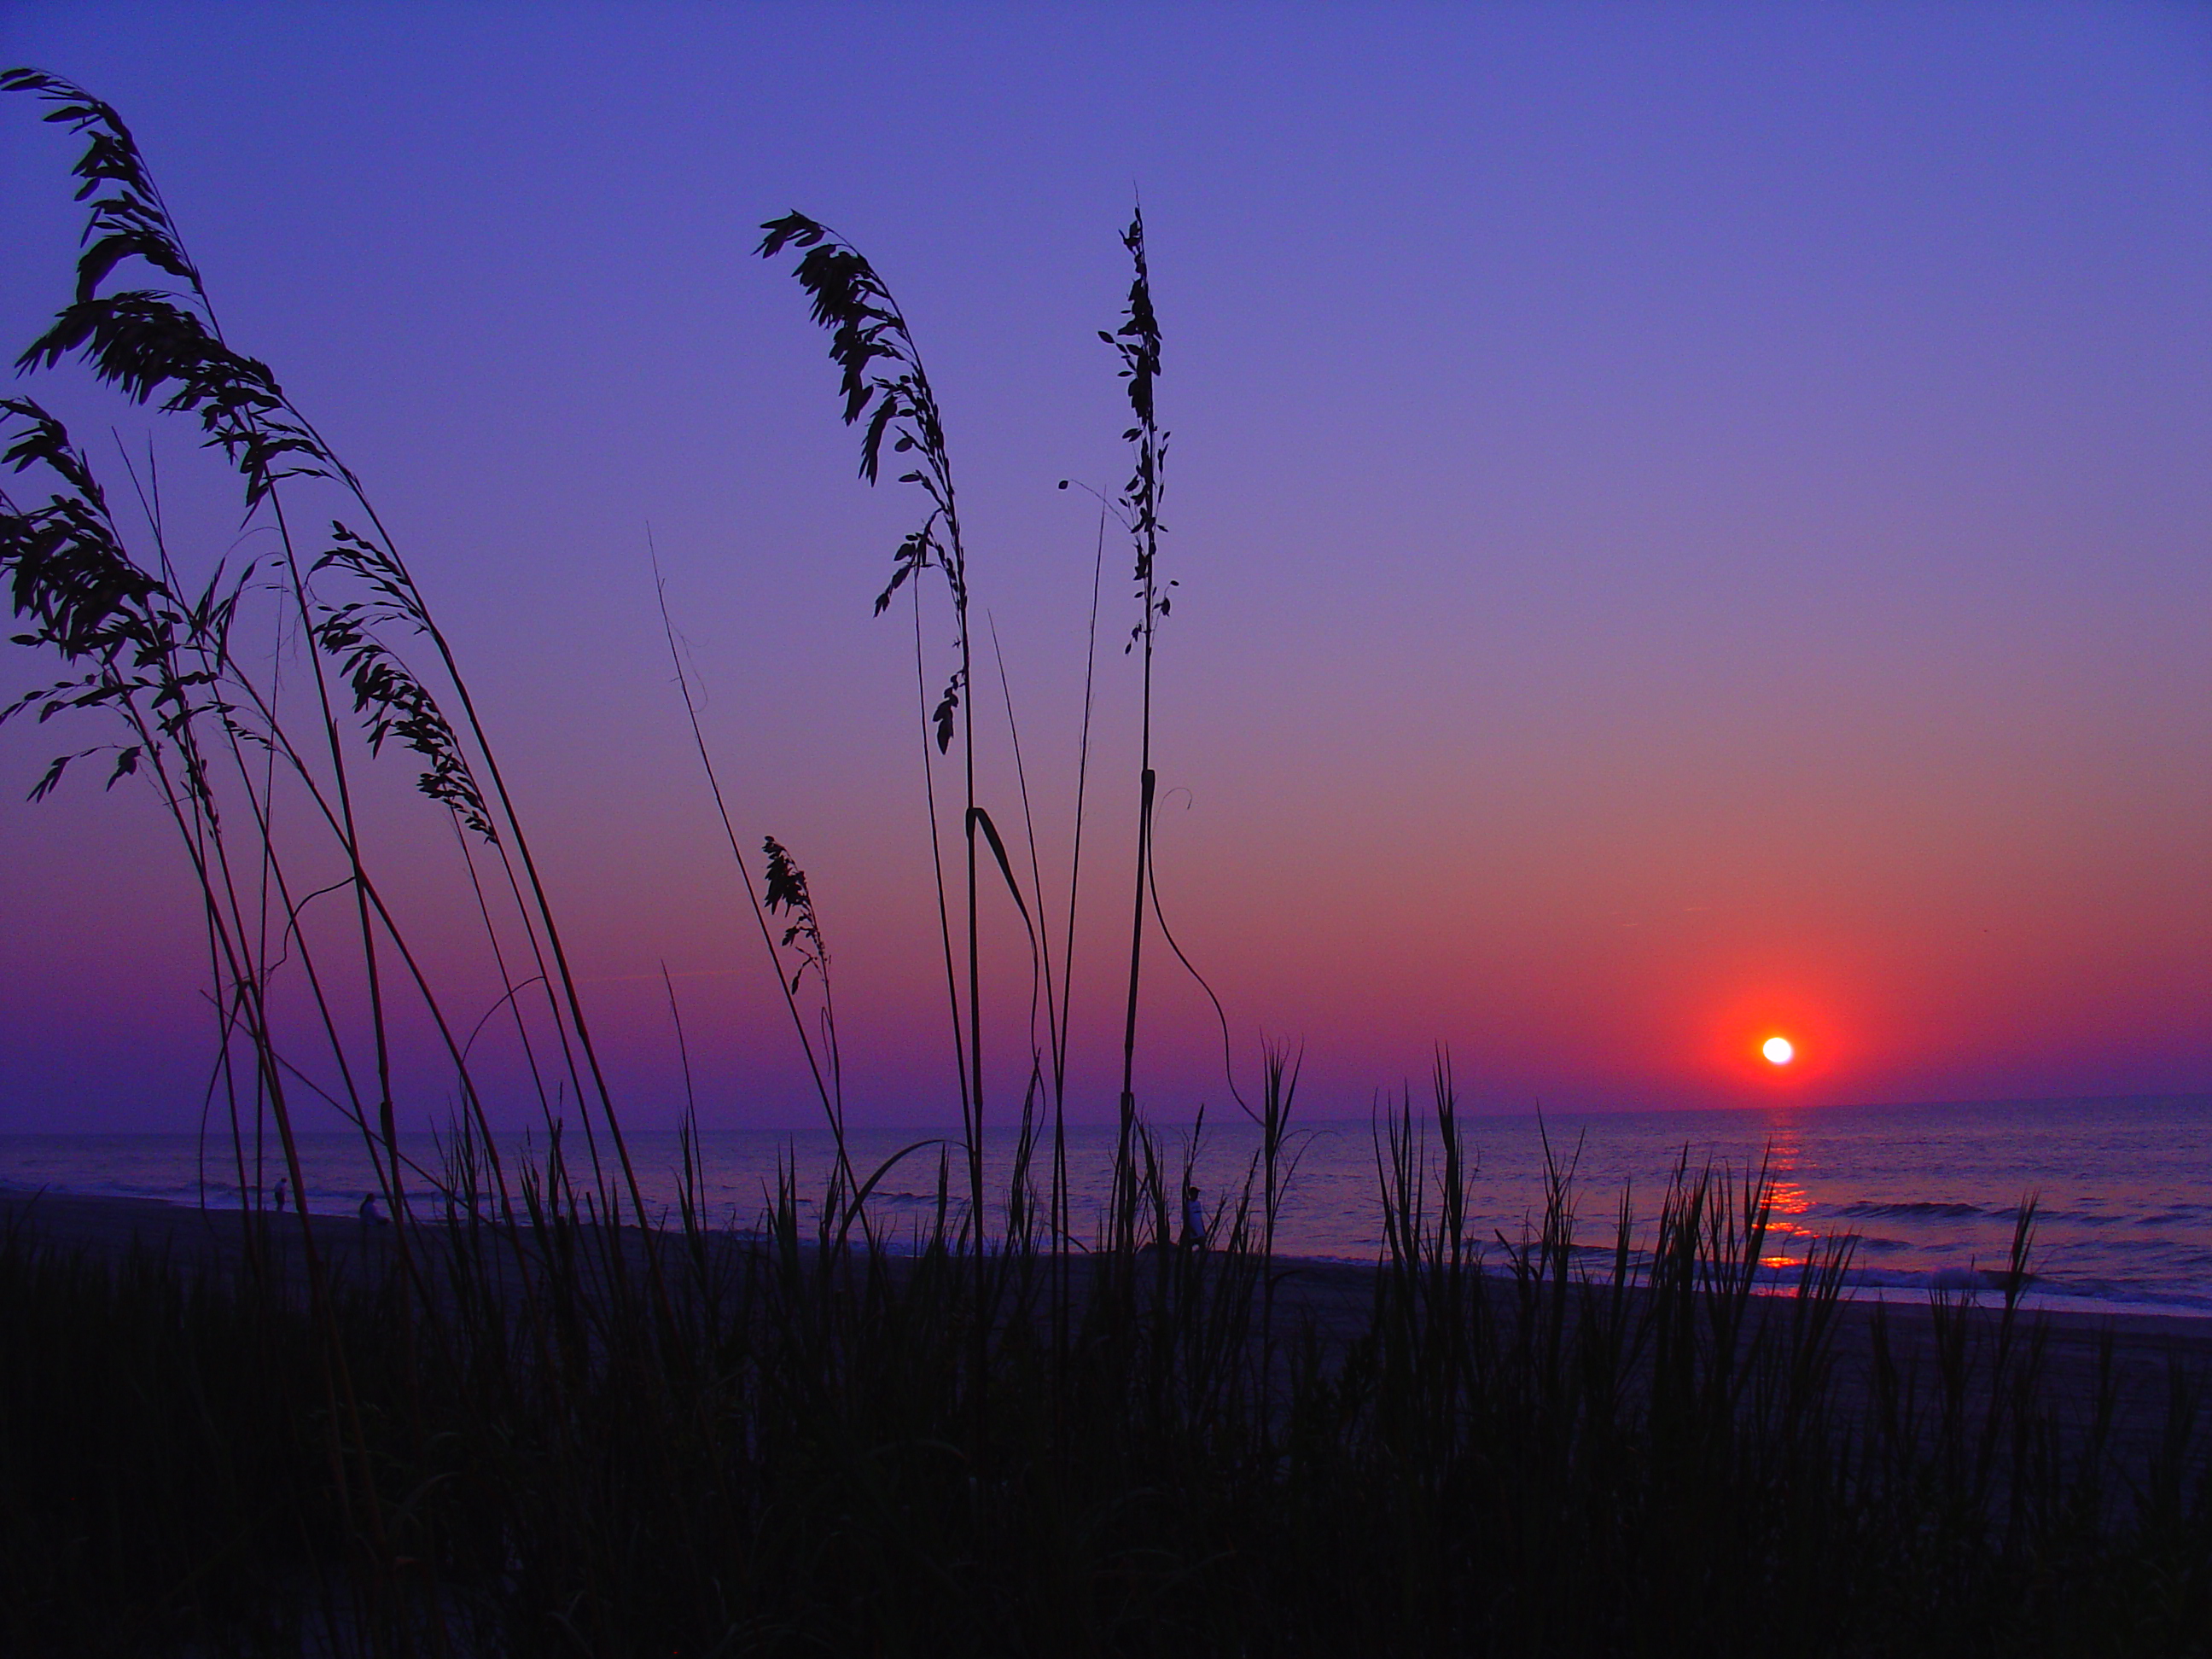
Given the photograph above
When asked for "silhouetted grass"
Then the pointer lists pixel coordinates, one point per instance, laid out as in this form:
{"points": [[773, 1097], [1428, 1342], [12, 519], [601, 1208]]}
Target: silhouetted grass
{"points": [[527, 1420], [783, 1456]]}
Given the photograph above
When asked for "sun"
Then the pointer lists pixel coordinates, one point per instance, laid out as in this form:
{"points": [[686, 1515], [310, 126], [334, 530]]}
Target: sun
{"points": [[1779, 1050]]}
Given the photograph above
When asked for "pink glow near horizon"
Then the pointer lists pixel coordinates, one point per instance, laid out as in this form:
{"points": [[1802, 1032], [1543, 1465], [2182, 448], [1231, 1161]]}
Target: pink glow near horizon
{"points": [[1692, 525]]}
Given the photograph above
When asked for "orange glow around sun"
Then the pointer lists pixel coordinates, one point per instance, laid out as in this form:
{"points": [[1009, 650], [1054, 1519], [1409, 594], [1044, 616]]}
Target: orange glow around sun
{"points": [[1777, 1036]]}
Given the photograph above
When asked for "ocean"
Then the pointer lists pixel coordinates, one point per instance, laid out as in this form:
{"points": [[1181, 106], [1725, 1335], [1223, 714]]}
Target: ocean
{"points": [[2124, 1188]]}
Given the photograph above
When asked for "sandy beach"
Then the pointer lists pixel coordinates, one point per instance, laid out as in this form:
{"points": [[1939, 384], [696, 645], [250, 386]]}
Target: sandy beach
{"points": [[2145, 1352]]}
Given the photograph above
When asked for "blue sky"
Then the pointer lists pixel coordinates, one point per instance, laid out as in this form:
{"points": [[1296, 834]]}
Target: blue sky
{"points": [[1691, 518]]}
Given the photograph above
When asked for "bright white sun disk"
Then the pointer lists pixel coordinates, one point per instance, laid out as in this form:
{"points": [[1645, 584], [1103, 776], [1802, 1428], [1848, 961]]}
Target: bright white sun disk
{"points": [[1779, 1050]]}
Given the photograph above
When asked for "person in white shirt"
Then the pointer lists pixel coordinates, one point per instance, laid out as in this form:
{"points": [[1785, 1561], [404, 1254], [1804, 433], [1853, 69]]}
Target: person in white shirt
{"points": [[1193, 1220]]}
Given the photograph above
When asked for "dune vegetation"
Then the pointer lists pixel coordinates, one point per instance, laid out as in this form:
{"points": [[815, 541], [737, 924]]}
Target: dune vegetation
{"points": [[537, 1416]]}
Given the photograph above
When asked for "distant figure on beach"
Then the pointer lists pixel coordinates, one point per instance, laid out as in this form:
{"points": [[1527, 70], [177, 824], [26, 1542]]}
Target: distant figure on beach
{"points": [[1193, 1220], [370, 1215], [281, 1186]]}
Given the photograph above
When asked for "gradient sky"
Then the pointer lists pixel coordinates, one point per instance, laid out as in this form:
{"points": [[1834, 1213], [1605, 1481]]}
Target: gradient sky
{"points": [[1693, 520]]}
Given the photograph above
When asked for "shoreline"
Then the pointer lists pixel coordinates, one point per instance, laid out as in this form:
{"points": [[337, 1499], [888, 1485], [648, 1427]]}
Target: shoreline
{"points": [[115, 1223], [2097, 1399], [2129, 1362]]}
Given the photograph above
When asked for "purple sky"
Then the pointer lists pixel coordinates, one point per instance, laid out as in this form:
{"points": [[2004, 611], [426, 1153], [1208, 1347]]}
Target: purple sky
{"points": [[1693, 520]]}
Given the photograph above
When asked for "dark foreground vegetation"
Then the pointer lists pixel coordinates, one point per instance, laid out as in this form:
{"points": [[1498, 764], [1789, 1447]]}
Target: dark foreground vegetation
{"points": [[563, 1439], [530, 1419]]}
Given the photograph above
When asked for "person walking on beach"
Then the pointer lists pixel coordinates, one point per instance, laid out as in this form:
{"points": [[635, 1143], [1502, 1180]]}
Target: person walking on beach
{"points": [[370, 1215], [1193, 1220], [282, 1185]]}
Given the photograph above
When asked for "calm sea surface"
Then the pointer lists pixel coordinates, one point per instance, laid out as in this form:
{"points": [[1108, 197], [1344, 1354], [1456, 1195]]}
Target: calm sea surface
{"points": [[2124, 1187]]}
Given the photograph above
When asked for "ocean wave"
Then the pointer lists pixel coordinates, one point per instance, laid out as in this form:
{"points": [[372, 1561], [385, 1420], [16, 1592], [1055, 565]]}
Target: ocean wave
{"points": [[1966, 1279], [1869, 1207]]}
